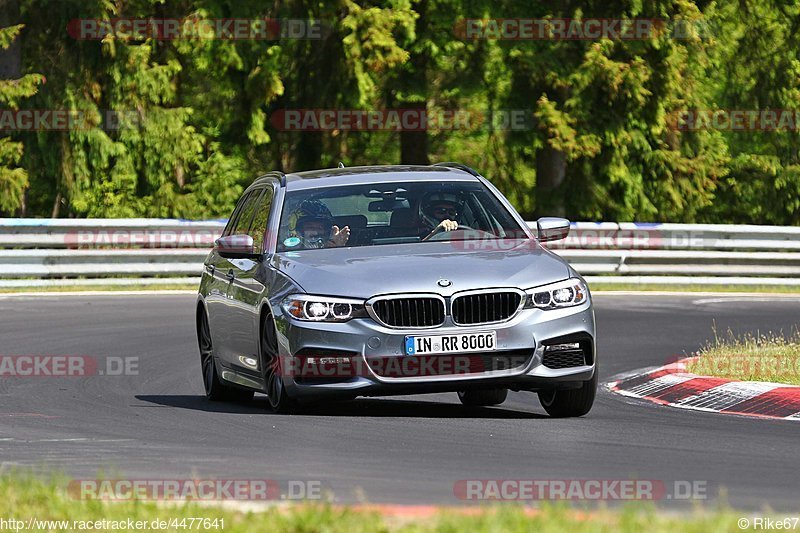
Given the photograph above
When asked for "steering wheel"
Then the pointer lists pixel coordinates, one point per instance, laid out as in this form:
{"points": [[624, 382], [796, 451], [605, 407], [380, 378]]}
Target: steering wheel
{"points": [[461, 226], [448, 235]]}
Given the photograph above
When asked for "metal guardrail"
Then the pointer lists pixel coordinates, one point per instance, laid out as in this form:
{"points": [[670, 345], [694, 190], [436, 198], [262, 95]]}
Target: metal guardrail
{"points": [[42, 252], [114, 232]]}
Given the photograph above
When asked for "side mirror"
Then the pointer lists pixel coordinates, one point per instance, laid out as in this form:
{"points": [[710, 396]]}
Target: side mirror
{"points": [[552, 229], [236, 247]]}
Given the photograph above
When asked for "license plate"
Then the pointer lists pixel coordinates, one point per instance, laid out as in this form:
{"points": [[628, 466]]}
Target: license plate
{"points": [[462, 342]]}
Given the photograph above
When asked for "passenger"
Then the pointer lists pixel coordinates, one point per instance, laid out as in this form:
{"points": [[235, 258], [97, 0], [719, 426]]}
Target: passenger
{"points": [[315, 228], [316, 232]]}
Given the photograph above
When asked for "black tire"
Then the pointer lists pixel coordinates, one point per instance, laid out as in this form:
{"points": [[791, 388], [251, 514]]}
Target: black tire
{"points": [[216, 391], [279, 401], [483, 398], [570, 403]]}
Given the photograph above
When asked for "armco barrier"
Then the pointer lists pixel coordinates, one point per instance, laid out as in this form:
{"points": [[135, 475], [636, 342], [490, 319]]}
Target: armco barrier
{"points": [[116, 232], [52, 252]]}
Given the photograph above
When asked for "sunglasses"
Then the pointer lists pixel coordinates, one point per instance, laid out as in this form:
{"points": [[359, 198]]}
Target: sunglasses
{"points": [[446, 211]]}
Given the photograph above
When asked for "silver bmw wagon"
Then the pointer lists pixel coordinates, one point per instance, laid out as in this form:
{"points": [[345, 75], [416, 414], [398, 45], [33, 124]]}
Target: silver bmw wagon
{"points": [[386, 280]]}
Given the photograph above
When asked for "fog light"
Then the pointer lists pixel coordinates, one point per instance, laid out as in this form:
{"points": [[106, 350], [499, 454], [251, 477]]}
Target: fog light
{"points": [[562, 347], [327, 360]]}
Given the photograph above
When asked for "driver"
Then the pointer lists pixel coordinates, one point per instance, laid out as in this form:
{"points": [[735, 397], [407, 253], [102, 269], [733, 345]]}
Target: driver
{"points": [[315, 228], [439, 212]]}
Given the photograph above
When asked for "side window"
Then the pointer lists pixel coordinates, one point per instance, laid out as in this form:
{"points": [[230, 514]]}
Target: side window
{"points": [[242, 223], [258, 228], [235, 215]]}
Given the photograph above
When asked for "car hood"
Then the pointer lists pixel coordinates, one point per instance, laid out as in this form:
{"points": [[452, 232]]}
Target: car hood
{"points": [[363, 272]]}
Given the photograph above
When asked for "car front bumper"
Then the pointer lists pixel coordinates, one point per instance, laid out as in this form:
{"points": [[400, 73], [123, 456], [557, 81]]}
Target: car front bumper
{"points": [[366, 341]]}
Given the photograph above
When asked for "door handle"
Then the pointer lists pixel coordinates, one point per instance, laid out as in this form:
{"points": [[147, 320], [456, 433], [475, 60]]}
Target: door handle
{"points": [[231, 275], [210, 269]]}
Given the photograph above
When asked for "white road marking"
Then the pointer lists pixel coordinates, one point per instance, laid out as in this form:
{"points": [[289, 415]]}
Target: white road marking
{"points": [[704, 301], [714, 400], [726, 395], [660, 383]]}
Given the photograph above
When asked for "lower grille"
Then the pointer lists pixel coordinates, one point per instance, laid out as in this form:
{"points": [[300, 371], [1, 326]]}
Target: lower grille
{"points": [[412, 312], [485, 307], [448, 364], [563, 358]]}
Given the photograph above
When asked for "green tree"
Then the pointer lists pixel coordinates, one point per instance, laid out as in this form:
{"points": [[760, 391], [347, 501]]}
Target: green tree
{"points": [[757, 67], [176, 128], [602, 148], [13, 178]]}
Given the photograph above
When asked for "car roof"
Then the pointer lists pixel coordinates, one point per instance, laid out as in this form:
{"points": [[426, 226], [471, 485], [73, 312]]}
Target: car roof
{"points": [[331, 177]]}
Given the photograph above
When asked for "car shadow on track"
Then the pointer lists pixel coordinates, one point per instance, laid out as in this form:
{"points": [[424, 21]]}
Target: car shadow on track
{"points": [[361, 407]]}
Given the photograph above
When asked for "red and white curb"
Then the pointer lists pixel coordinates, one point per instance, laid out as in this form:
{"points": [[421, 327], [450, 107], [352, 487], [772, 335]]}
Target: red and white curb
{"points": [[672, 385]]}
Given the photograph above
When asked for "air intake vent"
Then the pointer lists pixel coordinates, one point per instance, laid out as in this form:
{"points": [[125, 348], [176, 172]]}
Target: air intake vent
{"points": [[485, 307], [420, 312], [564, 356]]}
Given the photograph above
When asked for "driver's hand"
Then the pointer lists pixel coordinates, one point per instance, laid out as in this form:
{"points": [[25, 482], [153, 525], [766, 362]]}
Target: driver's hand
{"points": [[447, 225], [339, 237]]}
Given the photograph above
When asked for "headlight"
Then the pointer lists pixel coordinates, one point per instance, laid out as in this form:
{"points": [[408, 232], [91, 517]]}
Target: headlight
{"points": [[565, 293], [323, 308]]}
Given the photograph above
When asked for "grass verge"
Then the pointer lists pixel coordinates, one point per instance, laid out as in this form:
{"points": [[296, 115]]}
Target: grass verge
{"points": [[772, 357], [27, 498], [665, 287]]}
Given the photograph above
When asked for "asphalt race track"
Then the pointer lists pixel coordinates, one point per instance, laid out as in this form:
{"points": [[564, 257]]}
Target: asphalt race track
{"points": [[158, 424]]}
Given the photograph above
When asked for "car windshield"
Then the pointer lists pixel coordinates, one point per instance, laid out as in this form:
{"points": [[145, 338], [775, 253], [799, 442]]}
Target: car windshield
{"points": [[392, 213]]}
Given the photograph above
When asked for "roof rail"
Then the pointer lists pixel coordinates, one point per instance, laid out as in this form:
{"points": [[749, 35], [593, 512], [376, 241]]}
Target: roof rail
{"points": [[459, 166], [276, 174]]}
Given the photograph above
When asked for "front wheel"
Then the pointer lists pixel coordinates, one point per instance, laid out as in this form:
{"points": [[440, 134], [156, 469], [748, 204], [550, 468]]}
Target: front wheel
{"points": [[569, 403], [279, 401], [483, 398], [216, 391]]}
